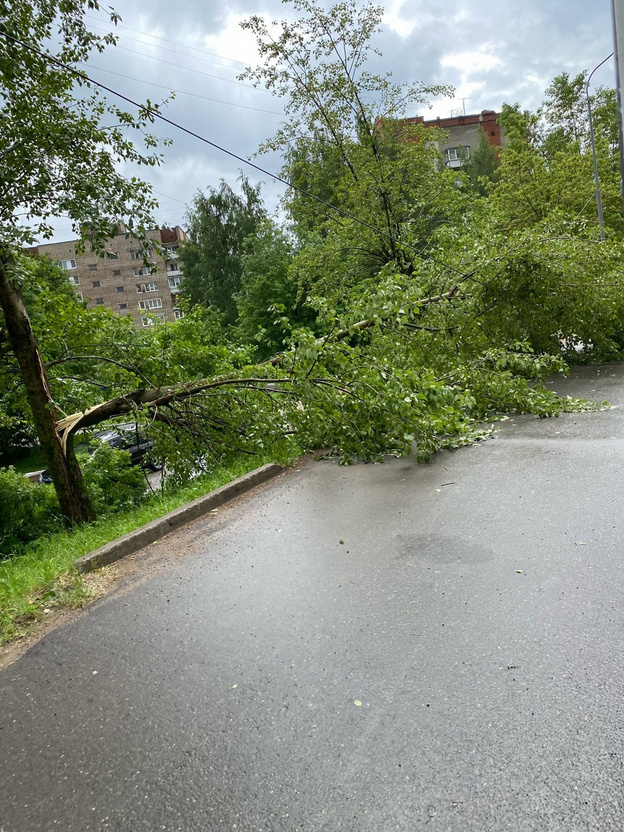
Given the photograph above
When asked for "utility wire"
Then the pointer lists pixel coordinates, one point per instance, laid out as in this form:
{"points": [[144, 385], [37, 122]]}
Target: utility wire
{"points": [[194, 57], [174, 198], [184, 92], [165, 40], [163, 48], [187, 68], [154, 114]]}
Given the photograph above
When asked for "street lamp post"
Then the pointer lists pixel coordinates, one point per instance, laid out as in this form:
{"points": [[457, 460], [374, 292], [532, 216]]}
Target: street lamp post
{"points": [[592, 139], [617, 11]]}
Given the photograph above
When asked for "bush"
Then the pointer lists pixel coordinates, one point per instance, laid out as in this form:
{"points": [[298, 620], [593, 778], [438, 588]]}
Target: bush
{"points": [[29, 510], [113, 483]]}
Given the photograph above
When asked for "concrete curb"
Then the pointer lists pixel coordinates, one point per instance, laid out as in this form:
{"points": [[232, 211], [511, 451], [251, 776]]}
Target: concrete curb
{"points": [[133, 541]]}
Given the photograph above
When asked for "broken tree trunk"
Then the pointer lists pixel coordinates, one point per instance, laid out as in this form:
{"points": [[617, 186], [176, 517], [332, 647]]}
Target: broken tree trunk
{"points": [[62, 464]]}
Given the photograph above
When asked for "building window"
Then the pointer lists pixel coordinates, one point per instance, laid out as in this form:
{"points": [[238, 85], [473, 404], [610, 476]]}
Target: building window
{"points": [[152, 320], [123, 305], [136, 255], [177, 314], [119, 289], [116, 272], [97, 284], [99, 301], [170, 252], [146, 287], [74, 279], [92, 267], [142, 271], [67, 264], [456, 156], [152, 303], [112, 255], [174, 282], [79, 295], [173, 267]]}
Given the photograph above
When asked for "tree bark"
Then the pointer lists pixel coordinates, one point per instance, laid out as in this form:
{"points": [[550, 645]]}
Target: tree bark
{"points": [[63, 466]]}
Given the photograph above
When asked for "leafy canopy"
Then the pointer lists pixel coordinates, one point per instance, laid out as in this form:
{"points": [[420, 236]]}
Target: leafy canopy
{"points": [[218, 224], [61, 142]]}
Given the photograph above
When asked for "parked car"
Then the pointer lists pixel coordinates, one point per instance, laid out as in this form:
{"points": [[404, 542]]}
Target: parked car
{"points": [[122, 438]]}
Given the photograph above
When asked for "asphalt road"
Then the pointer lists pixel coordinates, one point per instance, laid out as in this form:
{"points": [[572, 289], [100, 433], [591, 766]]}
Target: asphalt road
{"points": [[456, 663]]}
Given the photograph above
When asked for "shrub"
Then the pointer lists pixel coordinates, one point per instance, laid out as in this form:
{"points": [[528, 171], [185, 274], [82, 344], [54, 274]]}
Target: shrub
{"points": [[29, 510], [113, 483]]}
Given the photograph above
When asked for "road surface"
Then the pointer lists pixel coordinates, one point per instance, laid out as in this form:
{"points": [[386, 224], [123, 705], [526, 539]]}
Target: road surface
{"points": [[456, 663]]}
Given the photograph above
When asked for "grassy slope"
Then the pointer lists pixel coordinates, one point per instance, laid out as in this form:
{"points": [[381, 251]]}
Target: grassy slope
{"points": [[35, 461], [44, 577]]}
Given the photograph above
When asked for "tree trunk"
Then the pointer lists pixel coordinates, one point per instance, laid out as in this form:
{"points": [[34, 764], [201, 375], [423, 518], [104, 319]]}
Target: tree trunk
{"points": [[64, 469]]}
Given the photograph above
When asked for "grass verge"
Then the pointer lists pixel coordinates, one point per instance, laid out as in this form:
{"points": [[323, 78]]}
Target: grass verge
{"points": [[43, 578], [35, 461]]}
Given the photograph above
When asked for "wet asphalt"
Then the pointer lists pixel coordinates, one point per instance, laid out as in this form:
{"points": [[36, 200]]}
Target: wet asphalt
{"points": [[372, 648]]}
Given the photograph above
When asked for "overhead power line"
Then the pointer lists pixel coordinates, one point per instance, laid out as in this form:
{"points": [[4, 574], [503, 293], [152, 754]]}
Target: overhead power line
{"points": [[154, 114], [144, 43], [164, 48], [187, 68], [174, 198], [184, 92], [166, 40]]}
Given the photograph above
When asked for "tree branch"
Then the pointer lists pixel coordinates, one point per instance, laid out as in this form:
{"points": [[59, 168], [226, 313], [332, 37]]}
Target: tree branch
{"points": [[105, 359]]}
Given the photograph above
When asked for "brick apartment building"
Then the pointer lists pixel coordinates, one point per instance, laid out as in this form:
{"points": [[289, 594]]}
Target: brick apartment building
{"points": [[463, 133], [119, 279]]}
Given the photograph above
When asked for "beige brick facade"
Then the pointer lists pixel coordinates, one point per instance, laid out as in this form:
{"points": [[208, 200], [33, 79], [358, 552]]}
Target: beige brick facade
{"points": [[120, 280], [463, 134]]}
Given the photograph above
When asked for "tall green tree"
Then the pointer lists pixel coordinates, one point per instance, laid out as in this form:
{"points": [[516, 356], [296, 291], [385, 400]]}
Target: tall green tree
{"points": [[271, 290], [546, 165], [341, 139], [218, 224], [481, 167], [58, 155], [564, 112]]}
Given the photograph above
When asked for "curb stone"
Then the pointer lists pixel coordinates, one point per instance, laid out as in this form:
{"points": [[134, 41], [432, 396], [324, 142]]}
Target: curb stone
{"points": [[139, 538]]}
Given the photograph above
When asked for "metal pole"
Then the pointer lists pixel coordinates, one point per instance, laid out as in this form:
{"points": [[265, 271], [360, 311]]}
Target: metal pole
{"points": [[592, 139], [617, 11]]}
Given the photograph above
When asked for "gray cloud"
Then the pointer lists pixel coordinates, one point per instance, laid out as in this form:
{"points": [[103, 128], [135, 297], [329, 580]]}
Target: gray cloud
{"points": [[491, 50]]}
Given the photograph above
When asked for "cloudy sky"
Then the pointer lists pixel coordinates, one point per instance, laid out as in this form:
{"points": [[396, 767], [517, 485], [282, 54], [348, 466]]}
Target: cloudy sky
{"points": [[491, 51]]}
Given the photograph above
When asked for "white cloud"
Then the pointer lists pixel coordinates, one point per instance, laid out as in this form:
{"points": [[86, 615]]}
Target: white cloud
{"points": [[471, 62], [396, 22], [232, 40]]}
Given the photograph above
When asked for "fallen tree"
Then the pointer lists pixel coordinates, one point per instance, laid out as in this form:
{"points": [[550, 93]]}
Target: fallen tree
{"points": [[154, 399]]}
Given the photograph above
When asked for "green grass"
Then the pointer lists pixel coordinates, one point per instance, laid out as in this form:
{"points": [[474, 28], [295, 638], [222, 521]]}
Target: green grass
{"points": [[35, 461], [43, 577]]}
